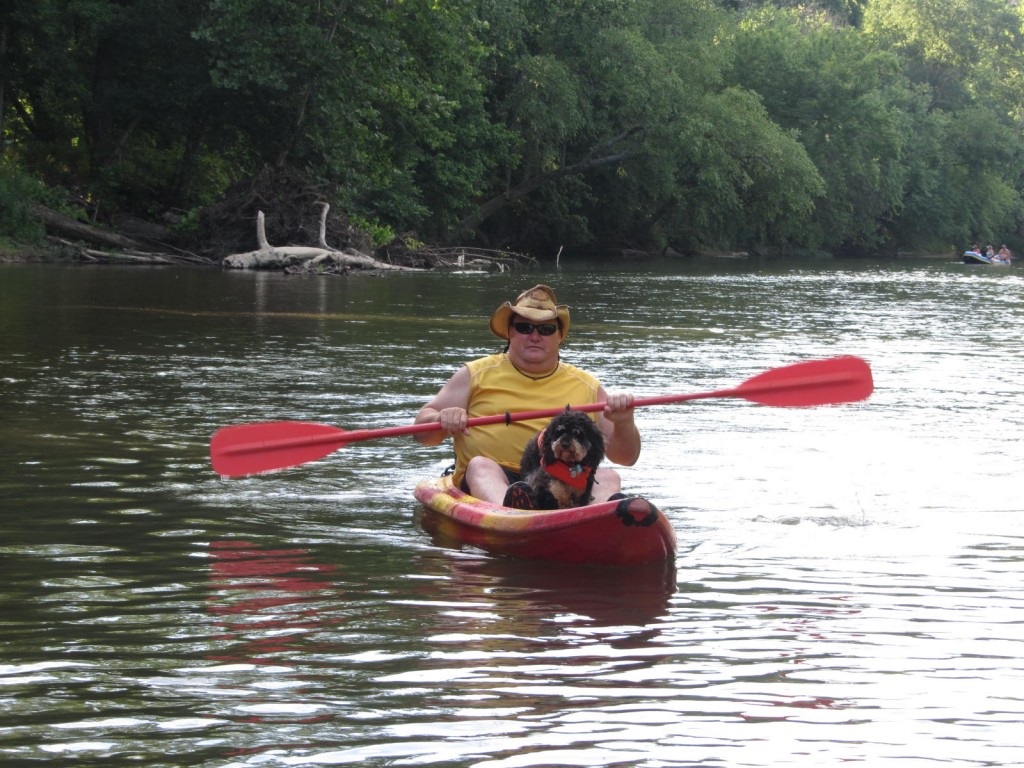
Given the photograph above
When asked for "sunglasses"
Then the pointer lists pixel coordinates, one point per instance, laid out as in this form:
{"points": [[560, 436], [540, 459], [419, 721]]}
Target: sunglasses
{"points": [[547, 329]]}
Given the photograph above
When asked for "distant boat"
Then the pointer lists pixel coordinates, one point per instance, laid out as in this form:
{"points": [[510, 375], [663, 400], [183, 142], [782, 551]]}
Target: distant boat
{"points": [[973, 257]]}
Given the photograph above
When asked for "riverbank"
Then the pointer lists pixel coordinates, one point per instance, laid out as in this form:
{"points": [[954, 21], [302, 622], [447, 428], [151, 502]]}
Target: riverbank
{"points": [[289, 259], [14, 252], [400, 253]]}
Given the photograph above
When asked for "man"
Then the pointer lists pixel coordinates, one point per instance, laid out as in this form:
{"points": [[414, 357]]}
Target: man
{"points": [[528, 376]]}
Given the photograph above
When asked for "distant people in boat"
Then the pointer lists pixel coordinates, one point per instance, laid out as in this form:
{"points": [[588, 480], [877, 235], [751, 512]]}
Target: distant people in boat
{"points": [[528, 375], [990, 252], [1005, 255], [975, 249]]}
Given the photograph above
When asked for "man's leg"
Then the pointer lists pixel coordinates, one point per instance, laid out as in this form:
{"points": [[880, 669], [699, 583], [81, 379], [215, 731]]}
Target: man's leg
{"points": [[607, 483], [486, 479]]}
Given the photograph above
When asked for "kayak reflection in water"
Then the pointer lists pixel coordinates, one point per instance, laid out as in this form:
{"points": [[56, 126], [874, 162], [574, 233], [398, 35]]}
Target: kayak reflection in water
{"points": [[528, 374]]}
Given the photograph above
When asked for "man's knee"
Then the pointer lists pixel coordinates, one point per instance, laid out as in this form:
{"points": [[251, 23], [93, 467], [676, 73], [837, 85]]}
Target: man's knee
{"points": [[486, 479], [481, 465], [606, 482]]}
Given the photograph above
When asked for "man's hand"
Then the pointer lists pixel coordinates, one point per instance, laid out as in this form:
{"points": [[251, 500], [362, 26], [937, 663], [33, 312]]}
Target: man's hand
{"points": [[618, 407]]}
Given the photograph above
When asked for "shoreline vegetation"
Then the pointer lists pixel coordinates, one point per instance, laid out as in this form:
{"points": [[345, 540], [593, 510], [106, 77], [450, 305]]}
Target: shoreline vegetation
{"points": [[271, 221], [68, 240], [503, 134], [318, 261], [295, 231], [305, 237]]}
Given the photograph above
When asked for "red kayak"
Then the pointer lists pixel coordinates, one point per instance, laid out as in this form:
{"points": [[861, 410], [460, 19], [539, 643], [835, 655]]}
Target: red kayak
{"points": [[625, 532]]}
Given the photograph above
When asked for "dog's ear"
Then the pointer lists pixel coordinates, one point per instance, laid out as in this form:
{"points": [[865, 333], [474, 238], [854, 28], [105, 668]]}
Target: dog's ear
{"points": [[568, 407], [546, 449]]}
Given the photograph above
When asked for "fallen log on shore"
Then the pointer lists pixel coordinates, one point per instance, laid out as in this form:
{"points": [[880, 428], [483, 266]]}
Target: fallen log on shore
{"points": [[94, 256], [91, 244], [465, 259], [69, 235], [79, 230]]}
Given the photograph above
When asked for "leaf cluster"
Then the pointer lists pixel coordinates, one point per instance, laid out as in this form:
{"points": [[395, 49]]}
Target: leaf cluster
{"points": [[857, 126]]}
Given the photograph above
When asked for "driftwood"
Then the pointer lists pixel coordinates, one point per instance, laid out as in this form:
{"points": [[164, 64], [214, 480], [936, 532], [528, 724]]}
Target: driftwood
{"points": [[94, 256], [302, 258], [63, 225], [466, 259], [70, 233], [94, 245]]}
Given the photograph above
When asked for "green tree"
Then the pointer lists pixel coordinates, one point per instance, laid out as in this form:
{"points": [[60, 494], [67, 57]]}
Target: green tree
{"points": [[957, 190], [149, 103], [538, 123], [384, 100], [103, 96], [966, 163], [846, 101], [626, 132], [45, 85], [955, 46]]}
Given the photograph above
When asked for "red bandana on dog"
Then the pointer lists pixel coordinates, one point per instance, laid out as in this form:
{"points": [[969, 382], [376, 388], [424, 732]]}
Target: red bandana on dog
{"points": [[574, 475]]}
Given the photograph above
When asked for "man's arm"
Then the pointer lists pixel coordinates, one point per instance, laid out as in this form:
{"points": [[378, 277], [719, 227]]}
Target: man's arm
{"points": [[621, 437], [448, 407]]}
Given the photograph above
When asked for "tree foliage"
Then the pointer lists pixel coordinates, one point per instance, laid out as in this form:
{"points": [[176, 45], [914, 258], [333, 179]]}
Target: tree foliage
{"points": [[828, 84], [853, 125]]}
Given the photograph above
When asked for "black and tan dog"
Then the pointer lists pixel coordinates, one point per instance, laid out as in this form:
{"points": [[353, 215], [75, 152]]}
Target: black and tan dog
{"points": [[560, 464]]}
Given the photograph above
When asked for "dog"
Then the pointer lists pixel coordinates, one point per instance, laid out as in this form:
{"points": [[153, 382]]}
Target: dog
{"points": [[560, 463]]}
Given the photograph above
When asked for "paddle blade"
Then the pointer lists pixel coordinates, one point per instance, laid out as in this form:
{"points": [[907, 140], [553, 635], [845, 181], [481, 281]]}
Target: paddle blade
{"points": [[844, 379], [248, 449]]}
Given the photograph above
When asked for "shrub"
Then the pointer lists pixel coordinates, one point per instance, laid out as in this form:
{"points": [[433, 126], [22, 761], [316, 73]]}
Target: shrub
{"points": [[18, 191]]}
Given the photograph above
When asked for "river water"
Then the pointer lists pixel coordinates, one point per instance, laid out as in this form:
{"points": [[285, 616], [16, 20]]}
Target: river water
{"points": [[848, 586]]}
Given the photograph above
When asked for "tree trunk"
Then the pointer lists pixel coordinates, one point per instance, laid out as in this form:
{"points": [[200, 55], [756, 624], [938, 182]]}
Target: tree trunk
{"points": [[55, 222], [100, 120], [594, 160], [3, 81], [307, 93], [189, 162]]}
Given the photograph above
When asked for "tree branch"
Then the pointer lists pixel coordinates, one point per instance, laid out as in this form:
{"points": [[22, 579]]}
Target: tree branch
{"points": [[593, 160]]}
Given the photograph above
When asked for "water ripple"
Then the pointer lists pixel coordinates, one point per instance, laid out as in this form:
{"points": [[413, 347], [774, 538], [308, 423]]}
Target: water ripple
{"points": [[847, 587]]}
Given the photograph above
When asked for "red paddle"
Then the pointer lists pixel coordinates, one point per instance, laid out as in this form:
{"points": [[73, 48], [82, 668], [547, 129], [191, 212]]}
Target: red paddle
{"points": [[248, 449]]}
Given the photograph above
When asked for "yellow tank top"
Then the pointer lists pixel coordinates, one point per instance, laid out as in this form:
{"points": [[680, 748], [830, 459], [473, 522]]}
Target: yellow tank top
{"points": [[496, 386]]}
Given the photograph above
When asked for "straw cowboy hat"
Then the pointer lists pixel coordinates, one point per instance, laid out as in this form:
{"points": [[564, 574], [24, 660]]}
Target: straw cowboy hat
{"points": [[536, 305]]}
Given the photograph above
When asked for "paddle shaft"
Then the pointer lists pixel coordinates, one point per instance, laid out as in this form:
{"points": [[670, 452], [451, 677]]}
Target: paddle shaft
{"points": [[251, 448], [358, 435]]}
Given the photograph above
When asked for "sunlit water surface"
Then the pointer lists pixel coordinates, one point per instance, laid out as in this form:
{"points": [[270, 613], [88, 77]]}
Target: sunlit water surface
{"points": [[848, 586]]}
